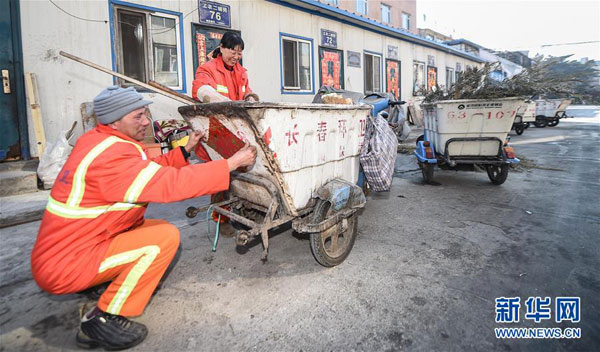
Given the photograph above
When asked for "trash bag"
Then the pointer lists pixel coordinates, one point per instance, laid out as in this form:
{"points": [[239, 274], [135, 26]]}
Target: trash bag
{"points": [[54, 158], [378, 154], [325, 90], [398, 122]]}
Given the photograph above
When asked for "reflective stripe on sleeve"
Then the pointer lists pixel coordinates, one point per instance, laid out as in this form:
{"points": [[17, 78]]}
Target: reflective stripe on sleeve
{"points": [[146, 256], [136, 188], [222, 89], [75, 212]]}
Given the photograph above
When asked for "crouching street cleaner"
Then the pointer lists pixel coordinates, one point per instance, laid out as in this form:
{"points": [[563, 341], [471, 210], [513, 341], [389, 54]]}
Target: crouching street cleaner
{"points": [[94, 231]]}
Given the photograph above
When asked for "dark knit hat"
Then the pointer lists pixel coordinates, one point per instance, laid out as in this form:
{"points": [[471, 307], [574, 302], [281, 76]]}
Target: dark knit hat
{"points": [[115, 102]]}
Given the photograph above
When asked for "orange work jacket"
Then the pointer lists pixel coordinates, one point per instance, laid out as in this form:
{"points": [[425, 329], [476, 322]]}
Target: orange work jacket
{"points": [[232, 84], [102, 191]]}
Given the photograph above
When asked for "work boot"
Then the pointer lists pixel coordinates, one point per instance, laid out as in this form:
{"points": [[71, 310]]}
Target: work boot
{"points": [[111, 332]]}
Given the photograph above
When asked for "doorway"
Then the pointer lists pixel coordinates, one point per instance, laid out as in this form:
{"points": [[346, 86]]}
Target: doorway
{"points": [[14, 142]]}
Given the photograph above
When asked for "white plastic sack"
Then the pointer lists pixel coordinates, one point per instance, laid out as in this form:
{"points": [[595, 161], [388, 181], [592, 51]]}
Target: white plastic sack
{"points": [[54, 158]]}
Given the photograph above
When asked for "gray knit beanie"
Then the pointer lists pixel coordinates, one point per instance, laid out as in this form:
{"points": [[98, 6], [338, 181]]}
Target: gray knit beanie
{"points": [[115, 102]]}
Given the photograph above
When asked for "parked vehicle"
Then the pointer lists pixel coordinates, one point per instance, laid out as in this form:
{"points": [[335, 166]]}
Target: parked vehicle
{"points": [[391, 110], [549, 111], [525, 115], [459, 134], [305, 173]]}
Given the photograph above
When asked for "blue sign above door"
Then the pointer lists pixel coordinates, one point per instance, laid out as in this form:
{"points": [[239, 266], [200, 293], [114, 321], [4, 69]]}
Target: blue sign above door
{"points": [[328, 38], [214, 13]]}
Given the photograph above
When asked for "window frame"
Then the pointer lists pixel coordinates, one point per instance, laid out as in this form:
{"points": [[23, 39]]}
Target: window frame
{"points": [[389, 7], [147, 12], [366, 6], [415, 89], [408, 20], [297, 38], [450, 69], [381, 68]]}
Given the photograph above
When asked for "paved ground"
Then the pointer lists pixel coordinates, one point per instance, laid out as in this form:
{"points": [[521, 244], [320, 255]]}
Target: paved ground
{"points": [[426, 268]]}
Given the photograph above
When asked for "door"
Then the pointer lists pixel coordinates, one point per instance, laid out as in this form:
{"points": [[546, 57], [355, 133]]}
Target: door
{"points": [[10, 144], [331, 67], [392, 77], [205, 39]]}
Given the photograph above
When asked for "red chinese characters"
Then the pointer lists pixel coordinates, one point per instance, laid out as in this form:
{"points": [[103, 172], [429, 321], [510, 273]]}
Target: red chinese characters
{"points": [[342, 127], [292, 135], [322, 131]]}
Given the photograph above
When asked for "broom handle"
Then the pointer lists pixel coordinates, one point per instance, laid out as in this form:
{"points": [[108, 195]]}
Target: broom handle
{"points": [[170, 94]]}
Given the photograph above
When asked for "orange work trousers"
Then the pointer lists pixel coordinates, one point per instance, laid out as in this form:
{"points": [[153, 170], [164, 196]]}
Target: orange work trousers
{"points": [[135, 262]]}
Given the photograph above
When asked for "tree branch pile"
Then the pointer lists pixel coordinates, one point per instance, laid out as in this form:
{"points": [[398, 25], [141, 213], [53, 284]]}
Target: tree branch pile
{"points": [[550, 77]]}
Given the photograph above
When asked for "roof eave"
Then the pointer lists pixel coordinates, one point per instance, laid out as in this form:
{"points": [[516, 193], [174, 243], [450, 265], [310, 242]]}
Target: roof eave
{"points": [[345, 16]]}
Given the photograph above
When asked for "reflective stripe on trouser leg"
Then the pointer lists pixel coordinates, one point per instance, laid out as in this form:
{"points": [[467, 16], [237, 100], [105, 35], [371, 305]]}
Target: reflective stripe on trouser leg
{"points": [[146, 256]]}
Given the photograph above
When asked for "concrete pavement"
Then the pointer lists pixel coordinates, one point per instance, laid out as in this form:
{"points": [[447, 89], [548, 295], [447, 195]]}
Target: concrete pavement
{"points": [[426, 268]]}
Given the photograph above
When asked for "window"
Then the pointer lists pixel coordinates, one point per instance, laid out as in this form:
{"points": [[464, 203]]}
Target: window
{"points": [[386, 13], [405, 21], [458, 71], [449, 77], [296, 64], [429, 36], [333, 2], [418, 77], [372, 73], [361, 7], [147, 46]]}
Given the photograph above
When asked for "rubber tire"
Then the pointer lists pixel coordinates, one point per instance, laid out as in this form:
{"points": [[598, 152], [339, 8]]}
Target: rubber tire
{"points": [[317, 243], [519, 130], [540, 122], [497, 173], [427, 172], [553, 122]]}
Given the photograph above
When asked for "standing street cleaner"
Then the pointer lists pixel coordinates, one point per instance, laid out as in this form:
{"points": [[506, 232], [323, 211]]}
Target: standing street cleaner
{"points": [[94, 231], [222, 79]]}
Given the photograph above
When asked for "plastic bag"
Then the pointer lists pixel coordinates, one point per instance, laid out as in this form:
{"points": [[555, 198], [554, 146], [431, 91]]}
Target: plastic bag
{"points": [[378, 155], [54, 158]]}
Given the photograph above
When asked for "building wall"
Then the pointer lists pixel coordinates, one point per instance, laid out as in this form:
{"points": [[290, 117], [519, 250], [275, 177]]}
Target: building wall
{"points": [[65, 84], [374, 10]]}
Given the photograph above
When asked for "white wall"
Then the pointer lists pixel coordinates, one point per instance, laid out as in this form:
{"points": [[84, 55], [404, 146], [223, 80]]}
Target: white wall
{"points": [[65, 84]]}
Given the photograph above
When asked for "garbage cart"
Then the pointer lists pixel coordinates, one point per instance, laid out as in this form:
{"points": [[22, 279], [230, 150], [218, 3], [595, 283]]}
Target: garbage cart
{"points": [[305, 172], [460, 134], [549, 111], [525, 115]]}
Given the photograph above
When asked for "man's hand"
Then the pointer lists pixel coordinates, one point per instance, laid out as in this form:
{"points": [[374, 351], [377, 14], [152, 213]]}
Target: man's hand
{"points": [[244, 157], [195, 137]]}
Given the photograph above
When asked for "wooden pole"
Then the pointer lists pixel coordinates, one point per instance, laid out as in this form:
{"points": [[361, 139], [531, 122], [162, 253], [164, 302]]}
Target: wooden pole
{"points": [[36, 112], [169, 90], [129, 79]]}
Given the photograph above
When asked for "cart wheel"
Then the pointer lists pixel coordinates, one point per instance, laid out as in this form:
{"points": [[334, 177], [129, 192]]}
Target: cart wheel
{"points": [[519, 130], [497, 173], [331, 249], [427, 171], [553, 122], [191, 212], [540, 121]]}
